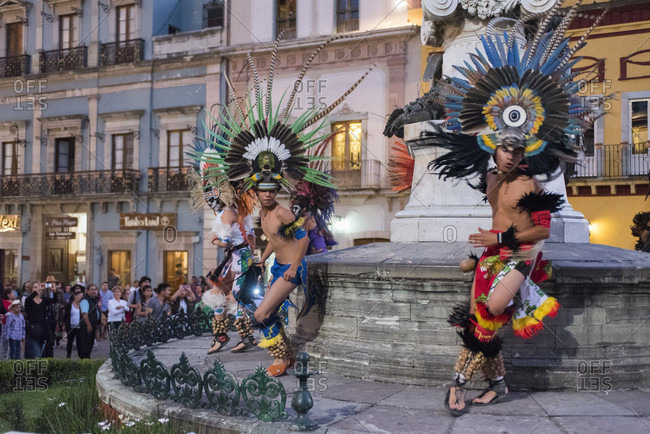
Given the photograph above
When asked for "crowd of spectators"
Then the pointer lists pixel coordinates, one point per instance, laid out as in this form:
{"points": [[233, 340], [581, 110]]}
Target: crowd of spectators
{"points": [[39, 316]]}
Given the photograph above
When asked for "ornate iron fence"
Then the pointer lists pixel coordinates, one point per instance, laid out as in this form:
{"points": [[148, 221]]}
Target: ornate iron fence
{"points": [[114, 53], [72, 183], [169, 179], [63, 60], [262, 396], [15, 66]]}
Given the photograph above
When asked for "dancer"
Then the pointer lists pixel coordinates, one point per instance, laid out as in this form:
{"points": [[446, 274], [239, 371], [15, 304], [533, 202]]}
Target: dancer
{"points": [[233, 232], [517, 108], [315, 204], [259, 149]]}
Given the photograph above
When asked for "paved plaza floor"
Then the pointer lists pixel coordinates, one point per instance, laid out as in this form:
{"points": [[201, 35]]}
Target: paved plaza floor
{"points": [[351, 405]]}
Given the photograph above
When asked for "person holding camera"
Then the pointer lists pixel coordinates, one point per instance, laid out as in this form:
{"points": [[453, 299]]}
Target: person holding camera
{"points": [[38, 322], [183, 299]]}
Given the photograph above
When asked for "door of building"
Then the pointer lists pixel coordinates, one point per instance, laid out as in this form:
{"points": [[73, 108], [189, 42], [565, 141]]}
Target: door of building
{"points": [[56, 260]]}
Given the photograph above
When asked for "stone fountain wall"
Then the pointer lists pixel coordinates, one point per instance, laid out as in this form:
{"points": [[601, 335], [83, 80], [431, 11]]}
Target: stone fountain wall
{"points": [[384, 315]]}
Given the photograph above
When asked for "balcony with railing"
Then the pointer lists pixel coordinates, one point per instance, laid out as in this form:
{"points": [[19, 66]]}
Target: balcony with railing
{"points": [[188, 43], [93, 182], [63, 60], [115, 53], [164, 179], [361, 175], [15, 66], [614, 161]]}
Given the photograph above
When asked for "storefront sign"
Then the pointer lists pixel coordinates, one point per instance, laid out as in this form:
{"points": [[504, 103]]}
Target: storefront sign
{"points": [[54, 236], [151, 221], [61, 221], [9, 223]]}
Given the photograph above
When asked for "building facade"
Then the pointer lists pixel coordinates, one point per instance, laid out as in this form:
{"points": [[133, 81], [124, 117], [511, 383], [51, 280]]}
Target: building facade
{"points": [[611, 184], [100, 101]]}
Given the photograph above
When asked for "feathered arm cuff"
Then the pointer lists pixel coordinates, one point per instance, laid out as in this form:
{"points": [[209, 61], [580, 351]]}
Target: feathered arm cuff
{"points": [[540, 206], [293, 229]]}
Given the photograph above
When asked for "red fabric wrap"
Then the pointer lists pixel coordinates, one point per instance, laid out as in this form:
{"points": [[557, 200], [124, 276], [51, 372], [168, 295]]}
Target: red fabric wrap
{"points": [[541, 218]]}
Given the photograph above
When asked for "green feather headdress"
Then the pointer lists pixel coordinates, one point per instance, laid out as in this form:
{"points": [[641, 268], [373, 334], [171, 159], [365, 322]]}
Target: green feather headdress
{"points": [[258, 144]]}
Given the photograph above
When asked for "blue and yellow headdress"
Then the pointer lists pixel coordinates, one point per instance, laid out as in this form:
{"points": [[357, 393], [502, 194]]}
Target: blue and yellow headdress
{"points": [[516, 97]]}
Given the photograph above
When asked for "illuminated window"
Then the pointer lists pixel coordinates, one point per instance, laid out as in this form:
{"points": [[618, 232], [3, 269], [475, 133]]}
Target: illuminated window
{"points": [[120, 261], [285, 18], [639, 125], [346, 147], [174, 265]]}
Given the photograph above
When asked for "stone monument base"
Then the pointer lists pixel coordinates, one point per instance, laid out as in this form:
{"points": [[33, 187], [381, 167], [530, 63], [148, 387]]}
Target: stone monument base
{"points": [[385, 307]]}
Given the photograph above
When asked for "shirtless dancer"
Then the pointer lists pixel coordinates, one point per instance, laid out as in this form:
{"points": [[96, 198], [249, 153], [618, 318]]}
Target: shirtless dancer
{"points": [[499, 278], [288, 271]]}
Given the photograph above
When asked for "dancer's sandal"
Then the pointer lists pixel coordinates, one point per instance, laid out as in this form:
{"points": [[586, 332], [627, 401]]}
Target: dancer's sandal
{"points": [[277, 370], [460, 396], [248, 343], [499, 387], [222, 340]]}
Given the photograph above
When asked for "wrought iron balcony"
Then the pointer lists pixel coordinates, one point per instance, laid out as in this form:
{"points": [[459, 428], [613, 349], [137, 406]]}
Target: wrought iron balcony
{"points": [[162, 179], [114, 53], [361, 174], [93, 182], [15, 66], [614, 161], [63, 60]]}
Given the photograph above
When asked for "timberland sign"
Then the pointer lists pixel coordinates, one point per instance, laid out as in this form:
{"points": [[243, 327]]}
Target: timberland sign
{"points": [[151, 221]]}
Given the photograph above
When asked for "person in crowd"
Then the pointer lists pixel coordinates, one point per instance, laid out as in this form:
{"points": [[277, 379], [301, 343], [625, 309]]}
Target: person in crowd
{"points": [[116, 309], [136, 292], [72, 320], [199, 294], [141, 309], [183, 300], [126, 294], [37, 320], [204, 285], [194, 285], [4, 344], [14, 330], [26, 290], [60, 323], [105, 295], [158, 304], [90, 317], [51, 314], [67, 294], [113, 279]]}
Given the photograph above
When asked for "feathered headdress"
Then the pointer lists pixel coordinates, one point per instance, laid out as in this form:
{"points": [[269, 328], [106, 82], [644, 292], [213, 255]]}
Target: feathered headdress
{"points": [[639, 223], [259, 147], [515, 97], [316, 199]]}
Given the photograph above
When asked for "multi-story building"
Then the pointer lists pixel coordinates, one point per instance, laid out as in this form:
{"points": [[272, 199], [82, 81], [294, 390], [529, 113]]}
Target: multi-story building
{"points": [[610, 186], [100, 100]]}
